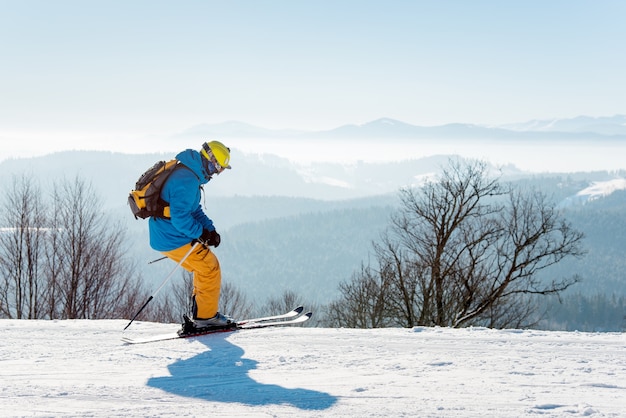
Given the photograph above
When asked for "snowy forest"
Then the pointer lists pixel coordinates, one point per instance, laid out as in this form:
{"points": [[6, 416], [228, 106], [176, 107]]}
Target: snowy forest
{"points": [[465, 248]]}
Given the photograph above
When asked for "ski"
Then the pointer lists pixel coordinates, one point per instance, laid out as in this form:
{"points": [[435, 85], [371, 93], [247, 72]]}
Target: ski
{"points": [[290, 314], [252, 324], [290, 318]]}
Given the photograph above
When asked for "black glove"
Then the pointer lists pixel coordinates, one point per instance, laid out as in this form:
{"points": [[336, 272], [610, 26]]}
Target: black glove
{"points": [[210, 238]]}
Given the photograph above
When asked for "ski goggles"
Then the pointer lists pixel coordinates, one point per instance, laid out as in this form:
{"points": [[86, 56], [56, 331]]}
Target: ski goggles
{"points": [[210, 161]]}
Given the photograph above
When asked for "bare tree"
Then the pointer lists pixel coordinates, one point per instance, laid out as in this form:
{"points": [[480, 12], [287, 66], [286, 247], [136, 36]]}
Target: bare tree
{"points": [[287, 301], [534, 237], [87, 270], [21, 243], [62, 259], [283, 303], [466, 249], [402, 278], [363, 304], [446, 226]]}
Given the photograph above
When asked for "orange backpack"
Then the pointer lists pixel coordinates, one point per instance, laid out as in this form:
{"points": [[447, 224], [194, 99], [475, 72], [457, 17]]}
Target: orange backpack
{"points": [[145, 200]]}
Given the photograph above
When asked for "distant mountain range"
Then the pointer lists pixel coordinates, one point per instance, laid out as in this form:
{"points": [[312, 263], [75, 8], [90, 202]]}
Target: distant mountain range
{"points": [[605, 125], [581, 127]]}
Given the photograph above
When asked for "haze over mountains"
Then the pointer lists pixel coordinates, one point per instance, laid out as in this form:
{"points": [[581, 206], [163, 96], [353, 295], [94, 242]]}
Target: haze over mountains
{"points": [[575, 128], [560, 145], [605, 125], [352, 161], [582, 143]]}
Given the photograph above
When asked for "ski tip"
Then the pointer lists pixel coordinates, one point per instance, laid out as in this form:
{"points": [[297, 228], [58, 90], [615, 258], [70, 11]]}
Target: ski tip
{"points": [[299, 309], [308, 314]]}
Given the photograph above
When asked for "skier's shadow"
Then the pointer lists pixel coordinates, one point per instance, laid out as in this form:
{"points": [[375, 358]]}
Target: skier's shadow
{"points": [[221, 374]]}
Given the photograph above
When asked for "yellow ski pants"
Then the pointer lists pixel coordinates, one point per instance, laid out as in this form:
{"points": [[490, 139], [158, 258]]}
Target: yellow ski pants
{"points": [[207, 277]]}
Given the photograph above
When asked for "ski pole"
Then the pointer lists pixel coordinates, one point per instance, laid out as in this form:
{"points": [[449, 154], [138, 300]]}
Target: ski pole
{"points": [[195, 244]]}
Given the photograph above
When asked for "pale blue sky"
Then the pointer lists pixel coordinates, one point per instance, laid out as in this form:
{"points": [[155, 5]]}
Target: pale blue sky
{"points": [[162, 66]]}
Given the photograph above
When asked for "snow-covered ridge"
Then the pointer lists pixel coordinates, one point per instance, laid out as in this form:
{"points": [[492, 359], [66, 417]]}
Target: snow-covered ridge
{"points": [[602, 188], [597, 190], [81, 368]]}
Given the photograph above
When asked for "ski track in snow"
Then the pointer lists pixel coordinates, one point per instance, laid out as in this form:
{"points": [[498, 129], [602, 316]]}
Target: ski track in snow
{"points": [[81, 368]]}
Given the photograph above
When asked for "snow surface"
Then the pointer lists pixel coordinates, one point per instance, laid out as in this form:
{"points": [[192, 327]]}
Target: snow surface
{"points": [[597, 190], [81, 368], [602, 188]]}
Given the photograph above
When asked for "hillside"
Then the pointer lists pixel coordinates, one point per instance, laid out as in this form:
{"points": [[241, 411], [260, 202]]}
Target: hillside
{"points": [[312, 241], [81, 368]]}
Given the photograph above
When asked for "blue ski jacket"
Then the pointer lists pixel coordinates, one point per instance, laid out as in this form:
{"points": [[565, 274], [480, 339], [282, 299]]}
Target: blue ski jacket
{"points": [[187, 219]]}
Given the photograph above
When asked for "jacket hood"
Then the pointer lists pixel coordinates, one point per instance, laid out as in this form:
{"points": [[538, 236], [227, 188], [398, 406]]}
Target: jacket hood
{"points": [[193, 160]]}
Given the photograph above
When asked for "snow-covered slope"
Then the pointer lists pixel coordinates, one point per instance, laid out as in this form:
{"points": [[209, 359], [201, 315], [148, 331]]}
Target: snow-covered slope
{"points": [[602, 188], [81, 368], [596, 190]]}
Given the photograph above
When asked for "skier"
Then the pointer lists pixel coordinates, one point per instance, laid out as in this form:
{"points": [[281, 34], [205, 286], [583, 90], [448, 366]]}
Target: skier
{"points": [[188, 224]]}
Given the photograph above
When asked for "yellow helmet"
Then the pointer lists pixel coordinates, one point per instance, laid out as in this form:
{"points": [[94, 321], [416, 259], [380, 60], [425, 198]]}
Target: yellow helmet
{"points": [[219, 152]]}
